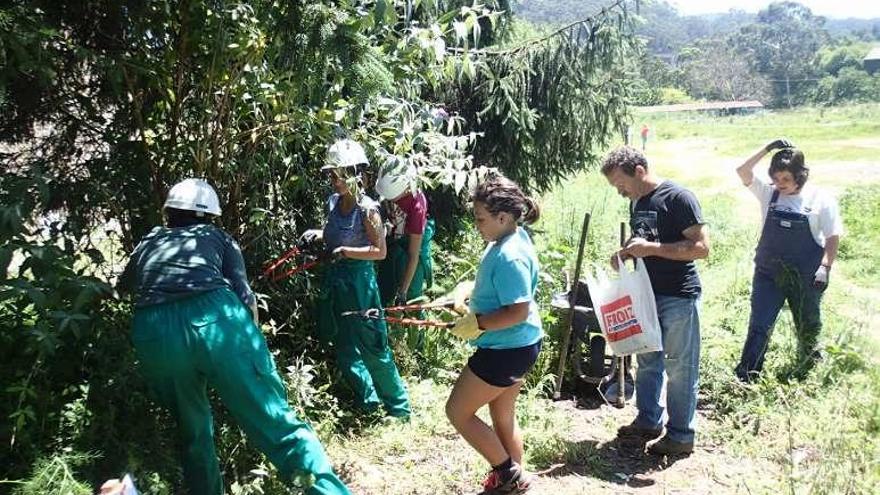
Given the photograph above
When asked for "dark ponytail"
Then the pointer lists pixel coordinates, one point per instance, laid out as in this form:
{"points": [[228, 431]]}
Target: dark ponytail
{"points": [[500, 194], [533, 211]]}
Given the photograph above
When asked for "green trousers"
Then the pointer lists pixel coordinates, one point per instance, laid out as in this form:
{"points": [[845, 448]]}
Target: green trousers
{"points": [[392, 268], [362, 351], [210, 339]]}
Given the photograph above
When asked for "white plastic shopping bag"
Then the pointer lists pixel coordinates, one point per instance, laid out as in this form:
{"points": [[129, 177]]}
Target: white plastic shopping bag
{"points": [[125, 486], [626, 309]]}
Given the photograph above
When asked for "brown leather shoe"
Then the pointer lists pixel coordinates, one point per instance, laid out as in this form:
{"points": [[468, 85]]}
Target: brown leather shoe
{"points": [[668, 446], [633, 430]]}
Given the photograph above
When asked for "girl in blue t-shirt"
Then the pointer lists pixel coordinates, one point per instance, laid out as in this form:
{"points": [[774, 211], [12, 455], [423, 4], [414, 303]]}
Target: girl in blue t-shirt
{"points": [[502, 321]]}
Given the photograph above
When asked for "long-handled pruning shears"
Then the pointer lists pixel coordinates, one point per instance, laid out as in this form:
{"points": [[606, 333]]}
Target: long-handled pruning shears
{"points": [[309, 261], [381, 314]]}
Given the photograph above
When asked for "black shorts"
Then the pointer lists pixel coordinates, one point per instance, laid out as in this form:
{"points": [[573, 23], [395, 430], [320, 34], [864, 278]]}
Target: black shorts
{"points": [[504, 367]]}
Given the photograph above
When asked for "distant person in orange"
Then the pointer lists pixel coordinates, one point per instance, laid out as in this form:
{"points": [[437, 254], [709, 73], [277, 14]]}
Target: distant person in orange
{"points": [[645, 132]]}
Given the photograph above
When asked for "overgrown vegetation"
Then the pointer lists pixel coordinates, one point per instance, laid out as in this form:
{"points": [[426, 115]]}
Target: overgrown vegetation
{"points": [[106, 104]]}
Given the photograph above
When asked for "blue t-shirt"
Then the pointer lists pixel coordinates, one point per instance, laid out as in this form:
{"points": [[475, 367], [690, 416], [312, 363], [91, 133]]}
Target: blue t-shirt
{"points": [[508, 274]]}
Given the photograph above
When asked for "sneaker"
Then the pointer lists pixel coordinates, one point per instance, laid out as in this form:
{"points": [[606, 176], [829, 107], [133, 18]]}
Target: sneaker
{"points": [[668, 446], [642, 432], [519, 482]]}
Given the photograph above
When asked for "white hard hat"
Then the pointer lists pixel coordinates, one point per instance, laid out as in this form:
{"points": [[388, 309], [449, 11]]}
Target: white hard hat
{"points": [[194, 195], [345, 153], [395, 178]]}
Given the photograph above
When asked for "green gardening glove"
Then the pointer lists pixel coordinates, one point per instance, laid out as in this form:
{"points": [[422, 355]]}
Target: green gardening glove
{"points": [[779, 144]]}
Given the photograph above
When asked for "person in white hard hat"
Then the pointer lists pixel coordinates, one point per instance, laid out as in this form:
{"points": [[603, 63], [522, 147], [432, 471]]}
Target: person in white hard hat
{"points": [[194, 325], [354, 233], [406, 271]]}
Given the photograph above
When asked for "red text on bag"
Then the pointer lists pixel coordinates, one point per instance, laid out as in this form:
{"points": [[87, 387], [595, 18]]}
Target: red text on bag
{"points": [[620, 319]]}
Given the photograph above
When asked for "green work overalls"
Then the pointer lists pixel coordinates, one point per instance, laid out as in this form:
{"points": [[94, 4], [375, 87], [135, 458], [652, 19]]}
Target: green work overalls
{"points": [[362, 351], [210, 339]]}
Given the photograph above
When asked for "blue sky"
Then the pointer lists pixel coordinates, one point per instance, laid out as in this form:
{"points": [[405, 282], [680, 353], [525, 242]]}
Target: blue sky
{"points": [[827, 8]]}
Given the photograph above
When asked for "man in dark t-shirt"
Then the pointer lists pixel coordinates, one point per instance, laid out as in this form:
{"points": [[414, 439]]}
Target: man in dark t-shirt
{"points": [[663, 215], [668, 232]]}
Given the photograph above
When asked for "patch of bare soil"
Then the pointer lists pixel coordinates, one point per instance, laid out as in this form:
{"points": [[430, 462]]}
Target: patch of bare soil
{"points": [[864, 142], [608, 465]]}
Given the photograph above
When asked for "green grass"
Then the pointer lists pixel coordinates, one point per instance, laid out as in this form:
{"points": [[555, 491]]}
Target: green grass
{"points": [[821, 432], [427, 454], [859, 250], [823, 133]]}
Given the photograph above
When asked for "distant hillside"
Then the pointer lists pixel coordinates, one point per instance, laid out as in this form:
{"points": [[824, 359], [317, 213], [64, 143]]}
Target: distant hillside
{"points": [[665, 30], [851, 26]]}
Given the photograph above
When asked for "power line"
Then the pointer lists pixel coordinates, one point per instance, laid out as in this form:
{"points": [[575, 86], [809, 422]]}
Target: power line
{"points": [[602, 14]]}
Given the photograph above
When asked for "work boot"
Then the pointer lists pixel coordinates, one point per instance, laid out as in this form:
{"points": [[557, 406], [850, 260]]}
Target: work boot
{"points": [[668, 446], [641, 432]]}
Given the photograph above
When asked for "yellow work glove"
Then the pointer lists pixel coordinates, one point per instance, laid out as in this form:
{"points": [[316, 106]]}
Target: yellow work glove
{"points": [[467, 327], [460, 294]]}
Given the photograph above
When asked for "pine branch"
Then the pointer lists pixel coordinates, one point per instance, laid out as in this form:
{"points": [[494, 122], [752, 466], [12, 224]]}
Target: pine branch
{"points": [[593, 19]]}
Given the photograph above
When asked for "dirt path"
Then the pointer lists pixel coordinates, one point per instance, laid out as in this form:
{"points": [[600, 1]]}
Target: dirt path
{"points": [[609, 466], [427, 456]]}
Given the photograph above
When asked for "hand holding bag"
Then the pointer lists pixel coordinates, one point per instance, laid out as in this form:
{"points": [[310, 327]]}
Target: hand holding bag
{"points": [[626, 309]]}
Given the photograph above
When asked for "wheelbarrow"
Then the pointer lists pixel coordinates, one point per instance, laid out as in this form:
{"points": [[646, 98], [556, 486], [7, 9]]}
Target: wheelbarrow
{"points": [[591, 365]]}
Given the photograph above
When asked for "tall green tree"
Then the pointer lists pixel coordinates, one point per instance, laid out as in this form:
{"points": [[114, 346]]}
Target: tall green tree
{"points": [[546, 107], [781, 45]]}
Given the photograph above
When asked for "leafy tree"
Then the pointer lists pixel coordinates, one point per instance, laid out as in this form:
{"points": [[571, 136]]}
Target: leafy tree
{"points": [[845, 79], [107, 103], [852, 84], [846, 52], [781, 44], [546, 107], [664, 30], [653, 76], [716, 71], [862, 29]]}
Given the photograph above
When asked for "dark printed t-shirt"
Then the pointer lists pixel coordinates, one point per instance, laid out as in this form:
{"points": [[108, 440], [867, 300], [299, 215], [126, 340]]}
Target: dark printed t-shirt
{"points": [[661, 216]]}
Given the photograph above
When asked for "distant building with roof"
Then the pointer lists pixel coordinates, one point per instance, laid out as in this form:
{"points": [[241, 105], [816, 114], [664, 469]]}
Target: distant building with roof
{"points": [[723, 107], [872, 60]]}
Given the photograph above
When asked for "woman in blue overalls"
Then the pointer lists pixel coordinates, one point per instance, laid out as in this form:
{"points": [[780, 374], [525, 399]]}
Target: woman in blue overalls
{"points": [[798, 245], [354, 234]]}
